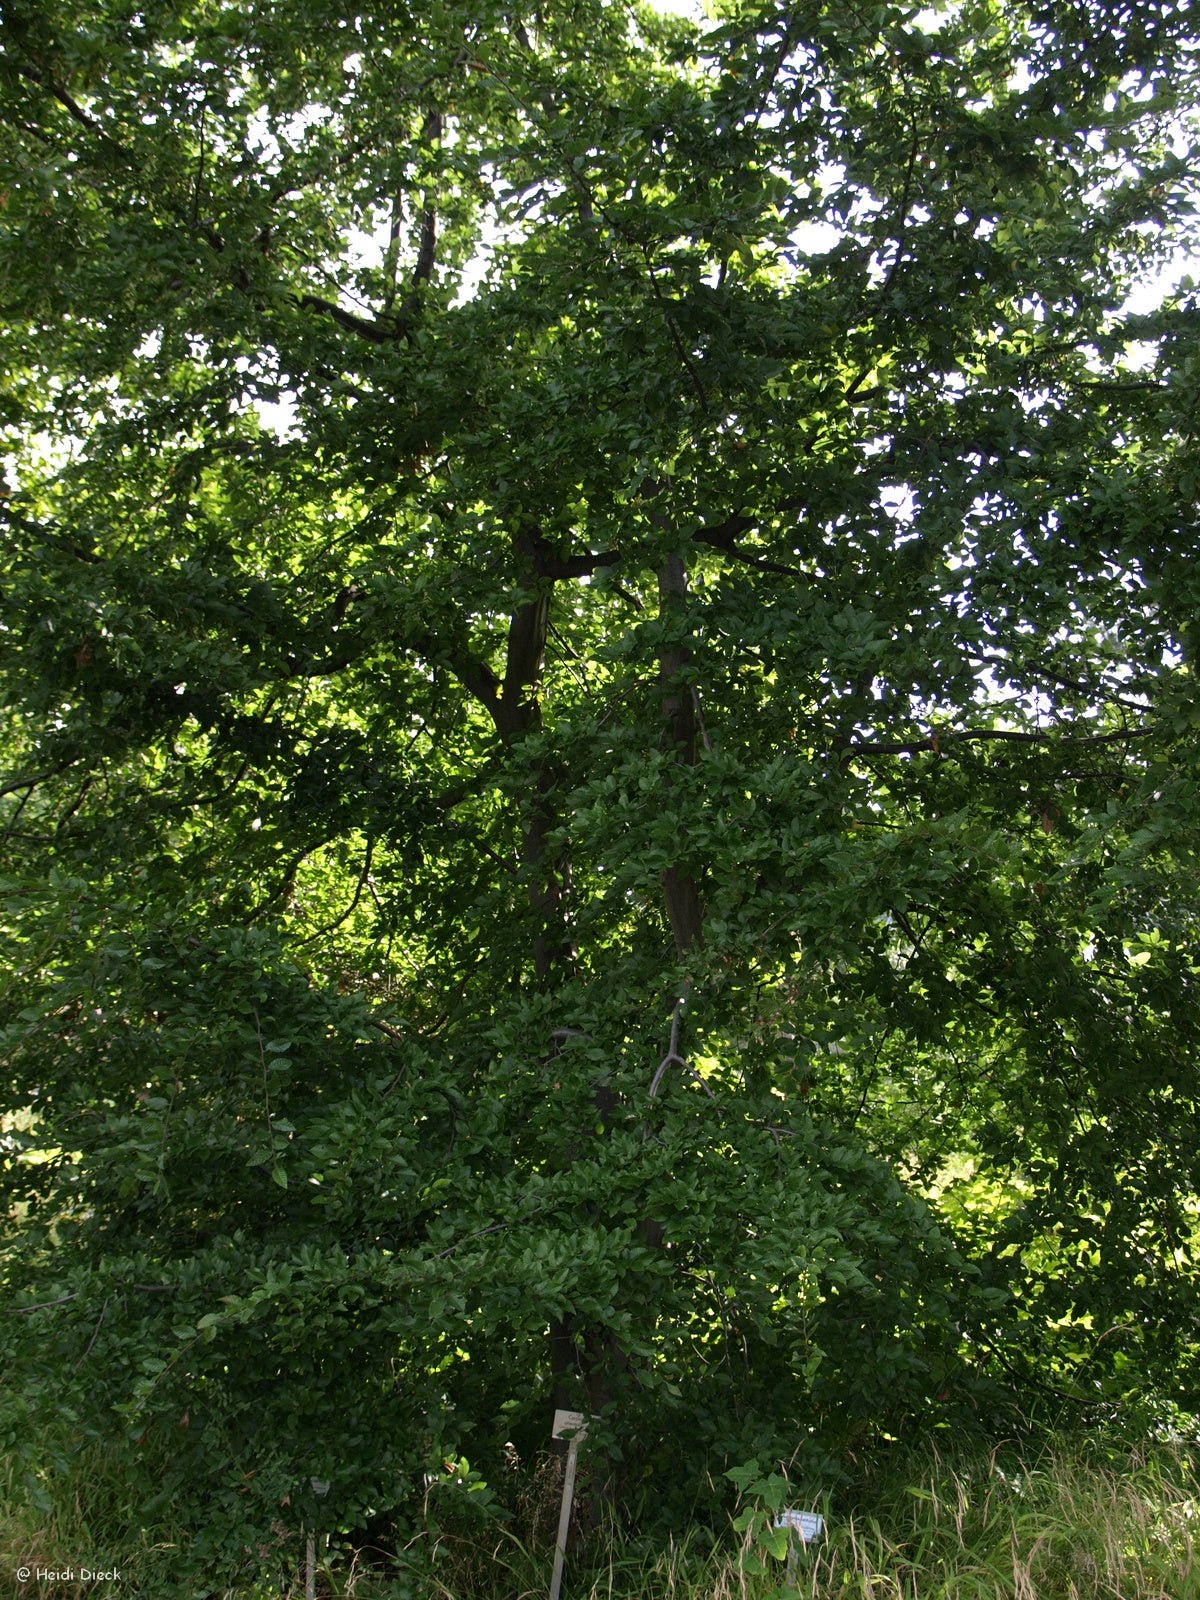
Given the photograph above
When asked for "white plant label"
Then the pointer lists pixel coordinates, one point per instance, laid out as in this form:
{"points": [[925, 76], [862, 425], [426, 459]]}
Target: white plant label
{"points": [[806, 1523], [570, 1422]]}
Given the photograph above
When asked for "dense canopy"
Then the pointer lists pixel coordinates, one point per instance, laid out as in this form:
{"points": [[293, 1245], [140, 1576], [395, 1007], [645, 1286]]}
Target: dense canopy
{"points": [[600, 750]]}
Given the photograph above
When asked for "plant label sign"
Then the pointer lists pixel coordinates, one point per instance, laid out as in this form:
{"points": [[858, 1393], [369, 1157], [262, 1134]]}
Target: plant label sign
{"points": [[570, 1424], [806, 1523]]}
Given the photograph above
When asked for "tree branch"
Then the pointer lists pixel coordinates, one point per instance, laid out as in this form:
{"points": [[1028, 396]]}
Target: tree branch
{"points": [[70, 105], [14, 785], [95, 1336], [426, 254], [350, 909], [722, 539], [723, 536], [475, 676], [1093, 691], [387, 1030], [937, 742], [580, 566], [364, 327], [44, 1305]]}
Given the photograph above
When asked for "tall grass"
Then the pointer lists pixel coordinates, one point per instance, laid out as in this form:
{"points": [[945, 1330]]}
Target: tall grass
{"points": [[1069, 1520], [1073, 1521], [1070, 1523], [76, 1513]]}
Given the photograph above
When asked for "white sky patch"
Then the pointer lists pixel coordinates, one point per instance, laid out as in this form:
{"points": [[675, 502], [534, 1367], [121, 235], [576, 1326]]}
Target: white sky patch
{"points": [[1149, 295], [898, 502], [814, 239], [1140, 354], [278, 417]]}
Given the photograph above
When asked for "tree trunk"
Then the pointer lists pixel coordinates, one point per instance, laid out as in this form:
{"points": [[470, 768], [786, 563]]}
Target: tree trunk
{"points": [[681, 897], [592, 1355]]}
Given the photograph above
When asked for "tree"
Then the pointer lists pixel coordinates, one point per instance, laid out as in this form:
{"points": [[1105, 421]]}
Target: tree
{"points": [[636, 847]]}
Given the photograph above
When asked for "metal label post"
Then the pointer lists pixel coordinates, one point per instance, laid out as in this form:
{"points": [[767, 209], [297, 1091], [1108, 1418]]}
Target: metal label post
{"points": [[320, 1487], [572, 1426]]}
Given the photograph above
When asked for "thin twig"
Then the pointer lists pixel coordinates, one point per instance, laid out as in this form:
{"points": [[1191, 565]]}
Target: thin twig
{"points": [[10, 831], [700, 719], [95, 1336], [262, 1054], [353, 906], [43, 1305]]}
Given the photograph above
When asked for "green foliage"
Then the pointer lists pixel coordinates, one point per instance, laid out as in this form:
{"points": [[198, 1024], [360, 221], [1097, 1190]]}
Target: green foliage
{"points": [[599, 744], [185, 1248]]}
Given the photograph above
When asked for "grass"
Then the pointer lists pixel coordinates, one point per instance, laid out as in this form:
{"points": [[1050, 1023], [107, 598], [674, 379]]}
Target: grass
{"points": [[74, 1516], [1073, 1523], [1070, 1520]]}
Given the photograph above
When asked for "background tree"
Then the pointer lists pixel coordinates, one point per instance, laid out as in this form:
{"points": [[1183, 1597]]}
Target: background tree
{"points": [[635, 848]]}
